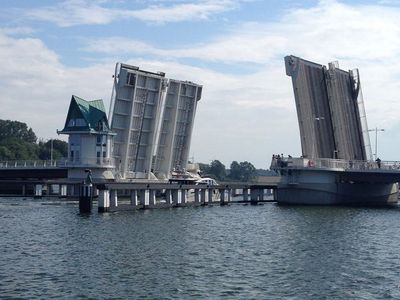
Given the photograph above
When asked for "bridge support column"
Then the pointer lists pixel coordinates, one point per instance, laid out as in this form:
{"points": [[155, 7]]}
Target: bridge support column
{"points": [[203, 196], [104, 201], [196, 196], [210, 195], [142, 197], [246, 194], [253, 196], [63, 190], [175, 197], [152, 198], [113, 198], [260, 194], [183, 193], [134, 198], [168, 196], [222, 196], [38, 191]]}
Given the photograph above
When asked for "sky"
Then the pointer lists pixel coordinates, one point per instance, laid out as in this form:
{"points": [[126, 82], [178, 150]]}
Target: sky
{"points": [[50, 50]]}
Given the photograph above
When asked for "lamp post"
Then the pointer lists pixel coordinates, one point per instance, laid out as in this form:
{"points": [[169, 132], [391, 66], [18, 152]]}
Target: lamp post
{"points": [[51, 152], [376, 139], [316, 119]]}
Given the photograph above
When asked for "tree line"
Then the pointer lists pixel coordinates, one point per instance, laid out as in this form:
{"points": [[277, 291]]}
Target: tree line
{"points": [[239, 171], [19, 142]]}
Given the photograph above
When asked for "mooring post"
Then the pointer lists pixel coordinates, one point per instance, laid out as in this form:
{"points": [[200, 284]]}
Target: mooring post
{"points": [[134, 198], [103, 201], [86, 194]]}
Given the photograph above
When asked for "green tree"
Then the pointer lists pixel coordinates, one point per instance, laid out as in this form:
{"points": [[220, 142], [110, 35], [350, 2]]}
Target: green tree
{"points": [[18, 130], [218, 170], [204, 169], [5, 153], [248, 171], [235, 171], [243, 171], [18, 142], [60, 149], [19, 149]]}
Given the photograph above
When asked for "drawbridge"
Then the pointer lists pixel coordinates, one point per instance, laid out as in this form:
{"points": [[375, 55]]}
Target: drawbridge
{"points": [[336, 165]]}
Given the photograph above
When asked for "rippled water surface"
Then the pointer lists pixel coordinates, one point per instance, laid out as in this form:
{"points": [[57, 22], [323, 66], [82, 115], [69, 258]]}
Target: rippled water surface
{"points": [[234, 252]]}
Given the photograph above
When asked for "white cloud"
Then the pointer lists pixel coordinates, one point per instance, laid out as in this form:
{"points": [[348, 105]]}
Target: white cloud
{"points": [[79, 12], [240, 117], [329, 31], [363, 36], [36, 88]]}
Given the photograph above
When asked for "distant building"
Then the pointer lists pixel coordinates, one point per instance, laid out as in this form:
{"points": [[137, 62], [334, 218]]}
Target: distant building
{"points": [[90, 140]]}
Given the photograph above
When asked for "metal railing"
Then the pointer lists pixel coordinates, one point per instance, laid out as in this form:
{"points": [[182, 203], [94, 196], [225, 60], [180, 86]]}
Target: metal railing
{"points": [[333, 164], [100, 161], [19, 164], [42, 164]]}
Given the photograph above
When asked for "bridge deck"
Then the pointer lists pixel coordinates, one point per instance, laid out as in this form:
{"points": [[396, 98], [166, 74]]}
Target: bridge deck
{"points": [[366, 171]]}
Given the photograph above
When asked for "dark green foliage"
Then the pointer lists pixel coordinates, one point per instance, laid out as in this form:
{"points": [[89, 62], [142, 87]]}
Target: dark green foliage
{"points": [[218, 170], [60, 149], [18, 142], [243, 171], [18, 130], [235, 172], [215, 170], [18, 149], [204, 169], [247, 171]]}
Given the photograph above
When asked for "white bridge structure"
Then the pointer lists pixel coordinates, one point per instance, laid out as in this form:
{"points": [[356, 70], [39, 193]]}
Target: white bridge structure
{"points": [[336, 165], [391, 167], [153, 118]]}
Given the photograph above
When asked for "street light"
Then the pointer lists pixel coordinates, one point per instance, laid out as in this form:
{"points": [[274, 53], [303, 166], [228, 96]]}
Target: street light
{"points": [[51, 152], [316, 119], [376, 139]]}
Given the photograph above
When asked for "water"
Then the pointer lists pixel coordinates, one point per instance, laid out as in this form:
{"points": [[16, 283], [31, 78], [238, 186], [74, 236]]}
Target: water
{"points": [[234, 252]]}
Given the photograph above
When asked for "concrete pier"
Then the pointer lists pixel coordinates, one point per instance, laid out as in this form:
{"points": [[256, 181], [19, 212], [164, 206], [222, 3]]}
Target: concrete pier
{"points": [[38, 191], [113, 198], [152, 197], [104, 201], [168, 197], [161, 195], [134, 198], [197, 196]]}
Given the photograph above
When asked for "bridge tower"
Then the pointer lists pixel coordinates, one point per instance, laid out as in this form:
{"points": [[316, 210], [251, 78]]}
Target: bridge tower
{"points": [[89, 140]]}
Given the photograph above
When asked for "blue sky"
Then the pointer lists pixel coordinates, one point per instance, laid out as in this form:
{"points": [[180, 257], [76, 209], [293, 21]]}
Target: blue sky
{"points": [[50, 50]]}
